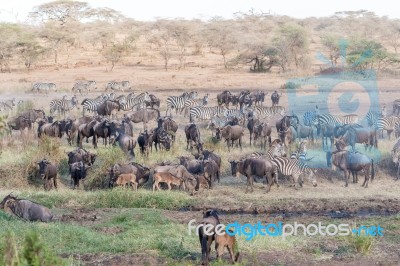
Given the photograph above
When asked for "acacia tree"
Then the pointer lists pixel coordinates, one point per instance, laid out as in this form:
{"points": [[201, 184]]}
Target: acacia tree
{"points": [[116, 52], [162, 37], [331, 43], [9, 37]]}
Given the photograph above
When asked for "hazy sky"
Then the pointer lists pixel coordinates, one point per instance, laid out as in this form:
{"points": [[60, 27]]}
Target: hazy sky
{"points": [[149, 9]]}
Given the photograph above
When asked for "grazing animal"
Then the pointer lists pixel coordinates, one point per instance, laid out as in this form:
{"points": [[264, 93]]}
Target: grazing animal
{"points": [[352, 135], [124, 179], [211, 171], [143, 115], [252, 123], [144, 143], [396, 156], [263, 132], [85, 130], [211, 220], [84, 85], [153, 103], [116, 86], [78, 171], [19, 123], [192, 133], [42, 86], [228, 241], [101, 129], [126, 143], [275, 98], [178, 102], [47, 172], [251, 167], [169, 125], [192, 165], [26, 209], [224, 98], [206, 154], [230, 134], [54, 129], [141, 172], [305, 132], [351, 162], [205, 113], [167, 178]]}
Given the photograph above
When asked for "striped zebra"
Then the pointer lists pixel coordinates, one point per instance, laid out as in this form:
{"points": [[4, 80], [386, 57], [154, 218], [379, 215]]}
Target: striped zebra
{"points": [[91, 105], [55, 105], [308, 118], [372, 118], [205, 113], [266, 112], [7, 105], [67, 105], [116, 86], [189, 103], [41, 86], [388, 123], [139, 101], [84, 85], [335, 120], [109, 96], [294, 168], [177, 103]]}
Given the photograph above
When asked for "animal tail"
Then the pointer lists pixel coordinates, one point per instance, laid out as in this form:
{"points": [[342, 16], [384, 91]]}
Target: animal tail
{"points": [[204, 248], [372, 170]]}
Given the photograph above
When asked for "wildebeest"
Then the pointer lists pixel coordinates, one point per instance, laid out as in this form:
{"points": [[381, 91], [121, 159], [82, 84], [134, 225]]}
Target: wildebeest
{"points": [[78, 171], [141, 172], [275, 98], [396, 157], [254, 167], [169, 125], [81, 155], [211, 171], [19, 123], [167, 178], [192, 133], [304, 132], [251, 124], [192, 165], [327, 131], [71, 127], [144, 115], [85, 130], [210, 221], [26, 209], [224, 98], [352, 135], [230, 134], [263, 132], [206, 154], [33, 114], [153, 103], [47, 172], [351, 162], [124, 179], [180, 172], [125, 142], [144, 143], [54, 129], [101, 129], [108, 108]]}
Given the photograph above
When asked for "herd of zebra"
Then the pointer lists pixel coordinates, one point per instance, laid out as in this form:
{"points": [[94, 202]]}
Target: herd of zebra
{"points": [[82, 86]]}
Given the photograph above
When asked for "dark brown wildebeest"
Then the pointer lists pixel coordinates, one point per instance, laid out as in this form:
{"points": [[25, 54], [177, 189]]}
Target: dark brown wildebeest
{"points": [[192, 133], [351, 162], [353, 135], [18, 123], [192, 165], [33, 115], [224, 98], [109, 108], [257, 97], [81, 155], [71, 127], [275, 98], [208, 224], [169, 125], [25, 209], [211, 171], [101, 129], [125, 142], [144, 115], [54, 129], [144, 143], [230, 134], [78, 171], [327, 132], [47, 172], [160, 136], [254, 167], [85, 130], [263, 132], [288, 136], [251, 124], [142, 172], [305, 132], [206, 154]]}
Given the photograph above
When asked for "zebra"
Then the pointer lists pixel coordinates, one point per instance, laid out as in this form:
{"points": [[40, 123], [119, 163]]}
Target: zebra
{"points": [[109, 96], [388, 123], [335, 120], [294, 168], [91, 105], [205, 113], [189, 103], [372, 118], [67, 105], [55, 105], [265, 112], [139, 100], [178, 102], [84, 85], [114, 85], [309, 116], [41, 86]]}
